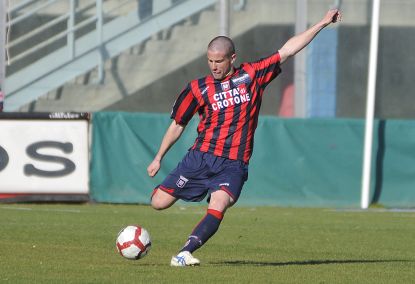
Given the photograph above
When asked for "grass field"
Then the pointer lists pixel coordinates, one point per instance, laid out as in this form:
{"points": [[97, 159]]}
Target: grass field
{"points": [[76, 244]]}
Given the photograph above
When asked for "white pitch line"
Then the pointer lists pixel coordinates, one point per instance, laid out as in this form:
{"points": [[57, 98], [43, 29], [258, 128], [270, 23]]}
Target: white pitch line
{"points": [[374, 210], [47, 210]]}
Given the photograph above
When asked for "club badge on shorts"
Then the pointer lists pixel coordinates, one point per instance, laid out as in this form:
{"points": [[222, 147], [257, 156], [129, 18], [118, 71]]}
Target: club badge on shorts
{"points": [[181, 182]]}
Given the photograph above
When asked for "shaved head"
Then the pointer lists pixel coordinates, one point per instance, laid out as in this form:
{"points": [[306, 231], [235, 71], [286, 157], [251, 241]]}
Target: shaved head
{"points": [[222, 44], [221, 56]]}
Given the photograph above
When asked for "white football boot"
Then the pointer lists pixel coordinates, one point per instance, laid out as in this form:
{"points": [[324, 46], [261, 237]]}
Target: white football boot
{"points": [[184, 258]]}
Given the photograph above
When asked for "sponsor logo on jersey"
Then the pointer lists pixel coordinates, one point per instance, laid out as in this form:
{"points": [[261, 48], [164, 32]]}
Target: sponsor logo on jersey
{"points": [[242, 79], [231, 97], [205, 90]]}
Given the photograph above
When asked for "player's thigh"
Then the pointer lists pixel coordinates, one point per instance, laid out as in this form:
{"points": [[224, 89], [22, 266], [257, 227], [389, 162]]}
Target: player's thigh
{"points": [[161, 199]]}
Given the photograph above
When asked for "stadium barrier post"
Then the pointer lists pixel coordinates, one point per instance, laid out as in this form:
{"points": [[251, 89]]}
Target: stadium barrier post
{"points": [[99, 28], [3, 29], [300, 65], [224, 17], [370, 104], [71, 33]]}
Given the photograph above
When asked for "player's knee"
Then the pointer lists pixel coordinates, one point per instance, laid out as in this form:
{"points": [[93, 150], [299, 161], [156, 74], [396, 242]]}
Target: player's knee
{"points": [[220, 200], [161, 200], [157, 205]]}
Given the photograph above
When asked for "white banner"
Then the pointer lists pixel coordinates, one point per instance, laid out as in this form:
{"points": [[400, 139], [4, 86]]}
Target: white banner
{"points": [[44, 156]]}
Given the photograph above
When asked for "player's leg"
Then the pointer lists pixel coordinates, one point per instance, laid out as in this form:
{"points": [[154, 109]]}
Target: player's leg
{"points": [[207, 227], [162, 200], [226, 187]]}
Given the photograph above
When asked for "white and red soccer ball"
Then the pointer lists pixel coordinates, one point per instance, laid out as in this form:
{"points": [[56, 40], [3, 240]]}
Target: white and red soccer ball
{"points": [[133, 242]]}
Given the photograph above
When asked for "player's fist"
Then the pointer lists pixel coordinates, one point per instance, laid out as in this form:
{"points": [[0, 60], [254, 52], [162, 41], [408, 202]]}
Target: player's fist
{"points": [[332, 16], [337, 16], [153, 168]]}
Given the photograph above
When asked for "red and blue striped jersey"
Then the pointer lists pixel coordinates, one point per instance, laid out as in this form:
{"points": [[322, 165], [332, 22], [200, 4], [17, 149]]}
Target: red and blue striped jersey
{"points": [[228, 109]]}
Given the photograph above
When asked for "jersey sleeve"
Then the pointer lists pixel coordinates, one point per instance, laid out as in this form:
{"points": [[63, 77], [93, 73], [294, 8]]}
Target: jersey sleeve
{"points": [[185, 106], [266, 69]]}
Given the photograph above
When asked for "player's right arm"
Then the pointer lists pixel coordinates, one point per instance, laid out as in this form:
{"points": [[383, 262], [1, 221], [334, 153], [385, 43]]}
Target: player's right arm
{"points": [[172, 134], [183, 110], [298, 42]]}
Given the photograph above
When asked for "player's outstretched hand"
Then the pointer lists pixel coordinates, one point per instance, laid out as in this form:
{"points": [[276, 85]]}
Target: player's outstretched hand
{"points": [[153, 168]]}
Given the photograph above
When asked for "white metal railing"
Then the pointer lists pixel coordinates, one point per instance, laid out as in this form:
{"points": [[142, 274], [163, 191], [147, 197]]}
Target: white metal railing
{"points": [[70, 13], [30, 8], [30, 12], [78, 45]]}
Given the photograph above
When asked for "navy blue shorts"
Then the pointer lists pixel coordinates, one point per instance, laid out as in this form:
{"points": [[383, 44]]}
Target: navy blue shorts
{"points": [[201, 173]]}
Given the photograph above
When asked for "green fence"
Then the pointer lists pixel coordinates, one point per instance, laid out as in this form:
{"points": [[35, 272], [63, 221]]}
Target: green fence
{"points": [[296, 162]]}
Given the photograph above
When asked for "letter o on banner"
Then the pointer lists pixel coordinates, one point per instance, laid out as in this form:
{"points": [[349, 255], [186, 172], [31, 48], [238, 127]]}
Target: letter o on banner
{"points": [[4, 158]]}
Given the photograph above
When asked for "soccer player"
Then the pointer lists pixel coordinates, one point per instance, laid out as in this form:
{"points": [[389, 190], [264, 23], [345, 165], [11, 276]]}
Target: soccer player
{"points": [[228, 102]]}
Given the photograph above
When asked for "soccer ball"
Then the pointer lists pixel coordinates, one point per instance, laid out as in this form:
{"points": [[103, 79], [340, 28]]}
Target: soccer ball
{"points": [[133, 242]]}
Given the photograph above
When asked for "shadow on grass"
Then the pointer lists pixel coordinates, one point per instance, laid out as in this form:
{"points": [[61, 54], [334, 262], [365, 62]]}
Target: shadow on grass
{"points": [[306, 262]]}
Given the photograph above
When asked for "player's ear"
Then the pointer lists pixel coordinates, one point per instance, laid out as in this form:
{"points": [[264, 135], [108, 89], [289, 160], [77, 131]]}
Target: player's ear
{"points": [[233, 58]]}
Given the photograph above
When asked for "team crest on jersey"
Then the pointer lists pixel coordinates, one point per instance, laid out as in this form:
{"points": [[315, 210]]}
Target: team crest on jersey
{"points": [[181, 182], [225, 85]]}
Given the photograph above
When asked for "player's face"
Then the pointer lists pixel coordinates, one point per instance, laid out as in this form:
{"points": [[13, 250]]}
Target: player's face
{"points": [[220, 64]]}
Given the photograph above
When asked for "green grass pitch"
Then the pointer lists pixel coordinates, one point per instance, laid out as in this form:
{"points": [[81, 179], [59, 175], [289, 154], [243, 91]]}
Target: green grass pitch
{"points": [[66, 243]]}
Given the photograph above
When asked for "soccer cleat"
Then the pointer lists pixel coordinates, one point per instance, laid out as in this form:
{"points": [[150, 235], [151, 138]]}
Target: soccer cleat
{"points": [[184, 258]]}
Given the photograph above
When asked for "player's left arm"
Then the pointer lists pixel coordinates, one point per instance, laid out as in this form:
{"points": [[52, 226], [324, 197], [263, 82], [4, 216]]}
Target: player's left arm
{"points": [[298, 42]]}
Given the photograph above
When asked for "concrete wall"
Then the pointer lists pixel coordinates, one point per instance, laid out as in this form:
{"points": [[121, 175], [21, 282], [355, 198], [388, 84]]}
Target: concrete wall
{"points": [[395, 84], [257, 43], [395, 80]]}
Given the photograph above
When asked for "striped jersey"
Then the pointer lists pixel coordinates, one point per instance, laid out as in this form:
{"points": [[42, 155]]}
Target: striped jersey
{"points": [[228, 109]]}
